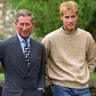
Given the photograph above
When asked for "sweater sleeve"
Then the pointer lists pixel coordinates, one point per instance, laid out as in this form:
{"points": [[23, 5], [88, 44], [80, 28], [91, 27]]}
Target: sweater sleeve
{"points": [[91, 55]]}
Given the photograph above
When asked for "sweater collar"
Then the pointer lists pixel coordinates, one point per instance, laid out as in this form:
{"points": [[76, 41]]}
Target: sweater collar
{"points": [[69, 33]]}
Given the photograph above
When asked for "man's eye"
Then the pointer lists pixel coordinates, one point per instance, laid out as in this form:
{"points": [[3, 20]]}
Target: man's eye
{"points": [[72, 16], [67, 17], [27, 24], [21, 24]]}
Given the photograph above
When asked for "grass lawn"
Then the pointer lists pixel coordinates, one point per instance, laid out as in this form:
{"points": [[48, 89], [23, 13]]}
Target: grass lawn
{"points": [[93, 76], [1, 76]]}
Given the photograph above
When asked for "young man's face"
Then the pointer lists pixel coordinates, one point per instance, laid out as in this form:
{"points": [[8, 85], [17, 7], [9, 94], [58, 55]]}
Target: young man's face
{"points": [[69, 20]]}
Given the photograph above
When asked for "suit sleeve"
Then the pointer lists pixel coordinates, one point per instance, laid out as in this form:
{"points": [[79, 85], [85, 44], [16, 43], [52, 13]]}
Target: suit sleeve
{"points": [[1, 50], [47, 45], [42, 70]]}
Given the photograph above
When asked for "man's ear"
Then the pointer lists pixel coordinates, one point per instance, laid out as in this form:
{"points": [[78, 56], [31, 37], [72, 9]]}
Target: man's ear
{"points": [[61, 17], [15, 24], [33, 23]]}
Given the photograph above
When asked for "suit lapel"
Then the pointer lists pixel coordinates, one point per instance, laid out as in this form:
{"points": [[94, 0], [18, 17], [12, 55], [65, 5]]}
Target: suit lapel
{"points": [[21, 63]]}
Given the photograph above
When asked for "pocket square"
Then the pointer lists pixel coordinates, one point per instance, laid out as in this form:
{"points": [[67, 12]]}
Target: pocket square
{"points": [[39, 57]]}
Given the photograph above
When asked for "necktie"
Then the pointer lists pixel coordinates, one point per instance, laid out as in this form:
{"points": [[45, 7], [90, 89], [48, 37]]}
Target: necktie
{"points": [[27, 52]]}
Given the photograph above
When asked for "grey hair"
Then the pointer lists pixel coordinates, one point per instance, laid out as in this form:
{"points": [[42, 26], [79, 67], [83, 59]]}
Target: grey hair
{"points": [[24, 12]]}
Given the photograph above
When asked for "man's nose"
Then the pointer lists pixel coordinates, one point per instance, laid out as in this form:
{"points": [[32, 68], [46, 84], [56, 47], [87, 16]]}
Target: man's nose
{"points": [[70, 19], [24, 26]]}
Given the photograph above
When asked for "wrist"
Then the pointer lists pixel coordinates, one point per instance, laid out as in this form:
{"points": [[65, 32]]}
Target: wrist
{"points": [[41, 90]]}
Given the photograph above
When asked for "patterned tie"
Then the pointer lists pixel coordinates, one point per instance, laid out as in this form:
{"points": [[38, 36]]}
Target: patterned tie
{"points": [[27, 52]]}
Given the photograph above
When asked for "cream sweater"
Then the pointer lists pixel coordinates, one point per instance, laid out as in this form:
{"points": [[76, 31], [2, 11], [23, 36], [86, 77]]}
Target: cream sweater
{"points": [[71, 58]]}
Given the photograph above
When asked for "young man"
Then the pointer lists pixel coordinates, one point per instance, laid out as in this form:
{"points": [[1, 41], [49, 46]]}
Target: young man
{"points": [[70, 54], [24, 69]]}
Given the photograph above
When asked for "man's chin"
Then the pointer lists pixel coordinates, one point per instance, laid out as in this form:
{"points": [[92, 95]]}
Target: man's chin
{"points": [[71, 28], [25, 36]]}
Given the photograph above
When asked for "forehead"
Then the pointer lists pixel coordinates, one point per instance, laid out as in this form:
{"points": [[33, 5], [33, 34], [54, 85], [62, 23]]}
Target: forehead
{"points": [[70, 12], [24, 19]]}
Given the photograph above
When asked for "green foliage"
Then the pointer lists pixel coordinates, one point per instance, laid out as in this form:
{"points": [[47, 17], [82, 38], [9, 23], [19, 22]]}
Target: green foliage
{"points": [[93, 76], [92, 28], [1, 76], [87, 8], [47, 15]]}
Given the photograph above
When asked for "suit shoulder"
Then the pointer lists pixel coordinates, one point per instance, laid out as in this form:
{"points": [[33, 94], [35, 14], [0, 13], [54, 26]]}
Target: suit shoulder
{"points": [[37, 43], [11, 39], [8, 41]]}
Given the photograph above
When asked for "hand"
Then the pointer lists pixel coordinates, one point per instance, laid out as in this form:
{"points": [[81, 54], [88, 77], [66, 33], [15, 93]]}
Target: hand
{"points": [[39, 89]]}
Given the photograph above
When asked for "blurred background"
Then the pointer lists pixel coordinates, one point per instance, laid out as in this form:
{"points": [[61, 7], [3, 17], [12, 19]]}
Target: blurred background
{"points": [[47, 17]]}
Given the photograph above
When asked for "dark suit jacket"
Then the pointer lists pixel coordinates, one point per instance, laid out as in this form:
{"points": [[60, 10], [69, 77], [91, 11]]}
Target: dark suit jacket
{"points": [[21, 80]]}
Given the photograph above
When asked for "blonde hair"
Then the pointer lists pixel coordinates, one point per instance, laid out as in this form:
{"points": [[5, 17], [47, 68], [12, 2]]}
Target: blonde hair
{"points": [[69, 5]]}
